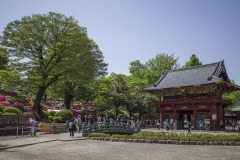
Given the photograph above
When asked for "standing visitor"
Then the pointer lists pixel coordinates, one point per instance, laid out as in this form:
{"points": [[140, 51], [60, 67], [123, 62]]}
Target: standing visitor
{"points": [[238, 124], [32, 125], [72, 127], [233, 125], [221, 125], [189, 127], [200, 124]]}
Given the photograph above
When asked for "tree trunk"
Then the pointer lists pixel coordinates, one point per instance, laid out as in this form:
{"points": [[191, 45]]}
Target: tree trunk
{"points": [[117, 112], [67, 100], [140, 115], [45, 97], [37, 105]]}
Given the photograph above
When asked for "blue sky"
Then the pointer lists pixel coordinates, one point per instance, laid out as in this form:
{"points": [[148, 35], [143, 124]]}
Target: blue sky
{"points": [[128, 30]]}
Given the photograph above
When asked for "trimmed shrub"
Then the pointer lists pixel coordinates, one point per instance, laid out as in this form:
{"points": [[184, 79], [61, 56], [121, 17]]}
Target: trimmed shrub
{"points": [[50, 118], [12, 110], [51, 113], [1, 108], [7, 113], [98, 135], [63, 116], [43, 115], [59, 119]]}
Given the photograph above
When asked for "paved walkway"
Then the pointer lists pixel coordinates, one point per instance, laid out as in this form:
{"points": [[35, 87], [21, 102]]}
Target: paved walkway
{"points": [[12, 141]]}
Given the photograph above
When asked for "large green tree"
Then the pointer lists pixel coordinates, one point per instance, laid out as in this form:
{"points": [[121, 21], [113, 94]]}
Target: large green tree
{"points": [[3, 59], [193, 61], [47, 47]]}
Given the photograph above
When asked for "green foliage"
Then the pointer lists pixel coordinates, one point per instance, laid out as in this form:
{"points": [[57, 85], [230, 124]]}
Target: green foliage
{"points": [[232, 97], [1, 108], [55, 49], [193, 61], [50, 118], [99, 135], [43, 115], [12, 110], [63, 115], [9, 113], [84, 111], [156, 65], [51, 113], [3, 59], [59, 119]]}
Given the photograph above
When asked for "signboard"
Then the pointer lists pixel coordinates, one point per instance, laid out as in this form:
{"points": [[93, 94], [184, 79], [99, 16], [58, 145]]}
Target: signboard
{"points": [[214, 116]]}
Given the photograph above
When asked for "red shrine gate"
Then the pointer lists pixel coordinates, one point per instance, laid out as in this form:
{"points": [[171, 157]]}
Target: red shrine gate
{"points": [[193, 94], [193, 110]]}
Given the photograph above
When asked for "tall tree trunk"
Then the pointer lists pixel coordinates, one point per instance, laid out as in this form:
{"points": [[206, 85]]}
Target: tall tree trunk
{"points": [[117, 112], [140, 114], [67, 100], [45, 97], [37, 105]]}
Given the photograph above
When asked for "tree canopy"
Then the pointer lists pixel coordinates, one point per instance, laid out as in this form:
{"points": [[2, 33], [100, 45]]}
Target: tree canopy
{"points": [[193, 61], [48, 47]]}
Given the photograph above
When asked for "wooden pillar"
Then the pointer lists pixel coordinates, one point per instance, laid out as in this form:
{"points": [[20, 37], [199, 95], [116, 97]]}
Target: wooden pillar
{"points": [[161, 117], [212, 111], [223, 116], [195, 118], [175, 114]]}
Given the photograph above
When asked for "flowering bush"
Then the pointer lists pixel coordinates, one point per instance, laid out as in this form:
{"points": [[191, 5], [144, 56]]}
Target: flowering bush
{"points": [[28, 113], [63, 115], [2, 98], [5, 103]]}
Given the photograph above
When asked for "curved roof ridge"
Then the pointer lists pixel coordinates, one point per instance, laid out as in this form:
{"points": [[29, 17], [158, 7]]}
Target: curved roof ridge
{"points": [[194, 67], [161, 78]]}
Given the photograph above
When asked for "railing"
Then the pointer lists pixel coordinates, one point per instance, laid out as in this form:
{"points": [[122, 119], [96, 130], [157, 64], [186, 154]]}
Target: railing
{"points": [[18, 130], [53, 128], [125, 129]]}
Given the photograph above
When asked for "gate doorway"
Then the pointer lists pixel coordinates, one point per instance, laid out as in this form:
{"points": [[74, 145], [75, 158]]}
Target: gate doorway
{"points": [[184, 116]]}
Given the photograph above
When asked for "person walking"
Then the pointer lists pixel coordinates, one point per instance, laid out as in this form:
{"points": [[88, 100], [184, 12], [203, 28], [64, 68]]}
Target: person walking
{"points": [[32, 125], [233, 125], [72, 127], [189, 127], [238, 124], [221, 125]]}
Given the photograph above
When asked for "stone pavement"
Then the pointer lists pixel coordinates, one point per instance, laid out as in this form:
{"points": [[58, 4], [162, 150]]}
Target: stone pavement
{"points": [[12, 141], [25, 140]]}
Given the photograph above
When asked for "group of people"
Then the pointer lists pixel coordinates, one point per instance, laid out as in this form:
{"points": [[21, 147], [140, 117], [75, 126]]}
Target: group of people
{"points": [[169, 124], [75, 125], [234, 124]]}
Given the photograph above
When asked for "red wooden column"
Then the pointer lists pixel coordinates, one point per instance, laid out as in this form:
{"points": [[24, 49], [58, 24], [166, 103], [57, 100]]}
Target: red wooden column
{"points": [[175, 114], [223, 116], [161, 117], [195, 118], [213, 110]]}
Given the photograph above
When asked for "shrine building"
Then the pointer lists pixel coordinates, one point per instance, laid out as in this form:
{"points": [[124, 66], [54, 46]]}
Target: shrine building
{"points": [[193, 95]]}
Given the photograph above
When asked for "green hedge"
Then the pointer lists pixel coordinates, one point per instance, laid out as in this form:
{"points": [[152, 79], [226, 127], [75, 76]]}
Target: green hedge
{"points": [[172, 136], [12, 110]]}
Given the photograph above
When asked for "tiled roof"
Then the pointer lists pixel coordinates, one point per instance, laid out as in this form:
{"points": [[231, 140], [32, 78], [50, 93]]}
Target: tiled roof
{"points": [[236, 107], [202, 74]]}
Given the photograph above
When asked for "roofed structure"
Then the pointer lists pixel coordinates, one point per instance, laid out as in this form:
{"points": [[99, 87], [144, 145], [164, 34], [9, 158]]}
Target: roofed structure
{"points": [[214, 73], [193, 94]]}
